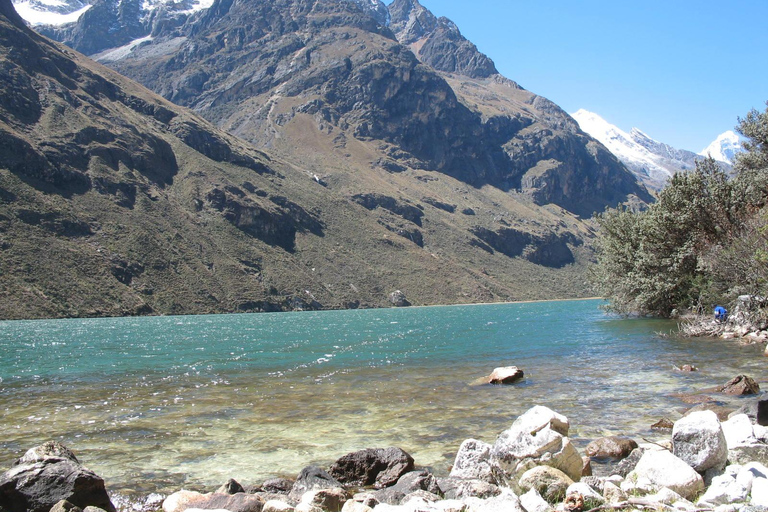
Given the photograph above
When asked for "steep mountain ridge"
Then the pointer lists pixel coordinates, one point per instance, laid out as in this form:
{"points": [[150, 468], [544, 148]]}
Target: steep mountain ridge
{"points": [[142, 207], [724, 148]]}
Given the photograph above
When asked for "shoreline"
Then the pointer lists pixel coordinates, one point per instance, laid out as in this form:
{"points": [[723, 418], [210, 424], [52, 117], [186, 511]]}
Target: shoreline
{"points": [[529, 301]]}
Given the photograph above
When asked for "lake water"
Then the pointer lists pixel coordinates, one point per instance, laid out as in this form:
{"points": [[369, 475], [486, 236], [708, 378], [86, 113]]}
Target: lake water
{"points": [[161, 403]]}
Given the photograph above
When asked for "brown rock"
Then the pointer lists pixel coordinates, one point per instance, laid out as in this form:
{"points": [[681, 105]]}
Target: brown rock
{"points": [[721, 410], [586, 470], [740, 385], [686, 368], [663, 424], [505, 375], [612, 447]]}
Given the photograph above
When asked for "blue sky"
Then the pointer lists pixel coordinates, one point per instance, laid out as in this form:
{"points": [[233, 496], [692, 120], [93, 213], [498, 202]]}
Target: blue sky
{"points": [[681, 71]]}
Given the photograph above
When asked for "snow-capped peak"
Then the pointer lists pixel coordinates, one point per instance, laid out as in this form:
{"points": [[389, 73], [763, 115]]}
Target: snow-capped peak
{"points": [[724, 148], [653, 162]]}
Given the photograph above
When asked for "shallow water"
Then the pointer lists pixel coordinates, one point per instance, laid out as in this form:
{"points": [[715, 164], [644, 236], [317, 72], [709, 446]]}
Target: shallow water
{"points": [[154, 404]]}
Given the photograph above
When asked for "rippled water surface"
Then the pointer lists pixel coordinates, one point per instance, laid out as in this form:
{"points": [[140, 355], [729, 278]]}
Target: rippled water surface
{"points": [[154, 404]]}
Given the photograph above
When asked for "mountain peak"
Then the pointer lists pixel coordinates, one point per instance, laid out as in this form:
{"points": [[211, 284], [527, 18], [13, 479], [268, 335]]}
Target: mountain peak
{"points": [[653, 162], [437, 41], [724, 148]]}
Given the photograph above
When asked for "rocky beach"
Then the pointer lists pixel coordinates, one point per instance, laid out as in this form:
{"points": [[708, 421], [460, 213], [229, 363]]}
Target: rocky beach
{"points": [[708, 460]]}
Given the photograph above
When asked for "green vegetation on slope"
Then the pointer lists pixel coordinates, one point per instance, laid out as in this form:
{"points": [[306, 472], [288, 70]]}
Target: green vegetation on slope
{"points": [[705, 240]]}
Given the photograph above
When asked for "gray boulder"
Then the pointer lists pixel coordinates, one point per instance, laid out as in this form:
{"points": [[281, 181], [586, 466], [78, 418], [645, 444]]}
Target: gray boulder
{"points": [[398, 299], [410, 482], [378, 467], [48, 474], [232, 486], [628, 464], [459, 488], [698, 439], [312, 478], [537, 437], [473, 461]]}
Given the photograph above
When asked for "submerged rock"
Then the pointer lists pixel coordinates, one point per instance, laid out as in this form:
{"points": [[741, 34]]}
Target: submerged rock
{"points": [[505, 375], [740, 385]]}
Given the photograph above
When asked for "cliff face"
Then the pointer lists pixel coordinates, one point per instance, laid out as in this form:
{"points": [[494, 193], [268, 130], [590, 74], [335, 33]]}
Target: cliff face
{"points": [[400, 80]]}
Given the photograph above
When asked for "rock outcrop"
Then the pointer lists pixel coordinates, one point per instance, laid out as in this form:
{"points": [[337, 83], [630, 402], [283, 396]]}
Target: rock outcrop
{"points": [[45, 476]]}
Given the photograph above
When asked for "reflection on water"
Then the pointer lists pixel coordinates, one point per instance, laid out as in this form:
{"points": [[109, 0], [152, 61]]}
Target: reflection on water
{"points": [[154, 404]]}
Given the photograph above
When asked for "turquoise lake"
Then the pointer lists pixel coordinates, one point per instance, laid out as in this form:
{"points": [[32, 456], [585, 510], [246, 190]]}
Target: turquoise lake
{"points": [[160, 403]]}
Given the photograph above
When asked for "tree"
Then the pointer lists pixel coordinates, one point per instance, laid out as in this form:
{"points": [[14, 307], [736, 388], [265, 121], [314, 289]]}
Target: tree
{"points": [[703, 241]]}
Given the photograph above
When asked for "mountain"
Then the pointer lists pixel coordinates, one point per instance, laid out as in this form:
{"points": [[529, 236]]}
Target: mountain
{"points": [[652, 162], [724, 148], [374, 171]]}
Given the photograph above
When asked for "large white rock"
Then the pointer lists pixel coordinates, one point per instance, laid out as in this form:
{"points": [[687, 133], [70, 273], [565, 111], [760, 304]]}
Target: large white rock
{"points": [[586, 492], [535, 438], [533, 502], [726, 489], [759, 474], [698, 439], [473, 461], [657, 469], [738, 430], [507, 501]]}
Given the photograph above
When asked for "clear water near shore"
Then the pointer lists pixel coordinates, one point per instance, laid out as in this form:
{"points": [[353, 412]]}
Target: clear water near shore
{"points": [[161, 403]]}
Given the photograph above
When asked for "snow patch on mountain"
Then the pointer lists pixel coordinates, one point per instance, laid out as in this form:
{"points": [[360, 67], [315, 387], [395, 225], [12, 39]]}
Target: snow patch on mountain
{"points": [[653, 162], [724, 148], [49, 12]]}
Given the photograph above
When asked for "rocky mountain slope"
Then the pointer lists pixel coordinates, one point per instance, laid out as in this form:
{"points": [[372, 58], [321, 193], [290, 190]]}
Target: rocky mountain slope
{"points": [[114, 201], [376, 172], [332, 81]]}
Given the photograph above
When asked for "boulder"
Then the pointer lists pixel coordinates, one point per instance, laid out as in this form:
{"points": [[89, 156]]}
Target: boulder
{"points": [[591, 497], [505, 375], [740, 385], [398, 299], [277, 485], [660, 468], [759, 491], [312, 478], [473, 461], [328, 500], [184, 500], [533, 502], [507, 501], [738, 430], [549, 482], [535, 438], [725, 489], [627, 465], [612, 447], [414, 481], [698, 439], [721, 411], [757, 411], [277, 506], [459, 488], [65, 506], [663, 424], [232, 486], [48, 474], [379, 467], [586, 467]]}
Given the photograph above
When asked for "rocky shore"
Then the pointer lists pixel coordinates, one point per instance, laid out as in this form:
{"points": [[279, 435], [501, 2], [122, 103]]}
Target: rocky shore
{"points": [[706, 463]]}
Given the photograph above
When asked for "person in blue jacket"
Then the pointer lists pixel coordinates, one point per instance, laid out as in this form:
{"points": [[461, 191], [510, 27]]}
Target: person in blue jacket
{"points": [[721, 314]]}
